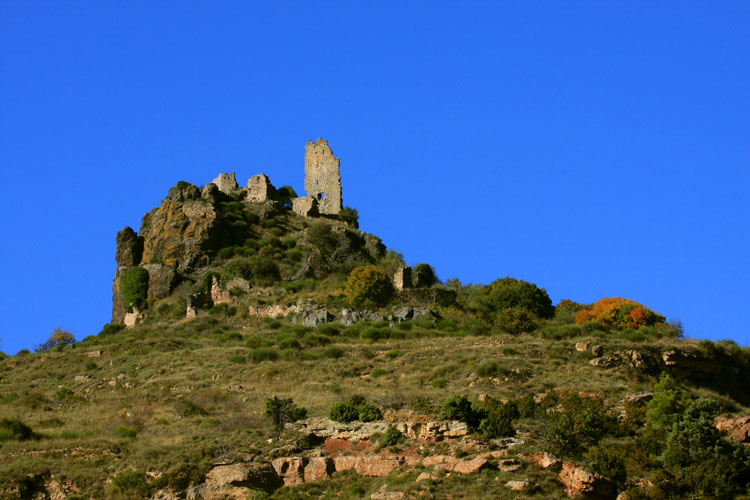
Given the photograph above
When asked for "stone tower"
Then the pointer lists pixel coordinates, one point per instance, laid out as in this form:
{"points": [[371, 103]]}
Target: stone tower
{"points": [[322, 177]]}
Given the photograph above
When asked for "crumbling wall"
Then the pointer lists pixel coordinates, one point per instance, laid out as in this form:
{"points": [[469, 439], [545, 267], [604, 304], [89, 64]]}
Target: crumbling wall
{"points": [[322, 177], [226, 182], [259, 188]]}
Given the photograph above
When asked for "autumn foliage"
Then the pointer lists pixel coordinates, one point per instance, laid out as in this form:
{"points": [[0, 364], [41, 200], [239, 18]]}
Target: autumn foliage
{"points": [[368, 286], [616, 312]]}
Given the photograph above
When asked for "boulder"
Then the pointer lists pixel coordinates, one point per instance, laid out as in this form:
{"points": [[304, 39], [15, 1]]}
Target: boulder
{"points": [[597, 350], [238, 481], [517, 485], [580, 483], [471, 466], [582, 346], [403, 313], [545, 460]]}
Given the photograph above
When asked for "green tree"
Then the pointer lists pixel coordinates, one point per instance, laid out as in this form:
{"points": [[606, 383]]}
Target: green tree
{"points": [[58, 338], [510, 292], [281, 411], [423, 275], [666, 406]]}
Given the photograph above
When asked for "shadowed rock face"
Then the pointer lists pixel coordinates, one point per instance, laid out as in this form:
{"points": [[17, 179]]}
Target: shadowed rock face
{"points": [[129, 248], [322, 177]]}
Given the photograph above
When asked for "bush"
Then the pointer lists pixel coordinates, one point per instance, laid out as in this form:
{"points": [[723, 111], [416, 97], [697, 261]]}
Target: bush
{"points": [[256, 269], [666, 406], [111, 329], [349, 216], [616, 312], [134, 287], [499, 420], [581, 422], [423, 275], [130, 482], [391, 437], [609, 461], [125, 431], [515, 320], [559, 332], [321, 237], [281, 411], [355, 408], [13, 429], [263, 354], [526, 405], [461, 409], [509, 292], [703, 463], [368, 286], [58, 338]]}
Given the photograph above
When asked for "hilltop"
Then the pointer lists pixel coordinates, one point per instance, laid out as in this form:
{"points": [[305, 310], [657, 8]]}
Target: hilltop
{"points": [[263, 346]]}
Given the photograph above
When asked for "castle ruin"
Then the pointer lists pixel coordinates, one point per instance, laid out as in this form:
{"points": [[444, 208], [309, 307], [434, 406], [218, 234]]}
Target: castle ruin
{"points": [[322, 177]]}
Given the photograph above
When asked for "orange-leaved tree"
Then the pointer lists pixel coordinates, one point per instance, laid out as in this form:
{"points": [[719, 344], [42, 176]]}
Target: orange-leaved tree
{"points": [[616, 312]]}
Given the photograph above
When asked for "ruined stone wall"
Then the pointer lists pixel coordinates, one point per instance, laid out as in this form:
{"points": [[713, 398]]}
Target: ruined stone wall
{"points": [[322, 177]]}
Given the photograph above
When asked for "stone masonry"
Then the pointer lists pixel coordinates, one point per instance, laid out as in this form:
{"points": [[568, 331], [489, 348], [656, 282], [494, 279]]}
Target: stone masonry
{"points": [[226, 183], [322, 177], [259, 188], [307, 206]]}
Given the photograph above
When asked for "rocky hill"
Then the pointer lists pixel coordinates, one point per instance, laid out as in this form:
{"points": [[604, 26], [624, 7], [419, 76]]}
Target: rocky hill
{"points": [[262, 346]]}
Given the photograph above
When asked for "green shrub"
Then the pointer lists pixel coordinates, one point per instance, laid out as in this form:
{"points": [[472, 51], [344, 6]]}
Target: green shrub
{"points": [[281, 411], [423, 275], [610, 461], [439, 383], [125, 431], [111, 329], [333, 352], [509, 292], [13, 429], [188, 408], [134, 287], [321, 237], [368, 286], [355, 408], [349, 216], [391, 437], [488, 369], [666, 406], [130, 482], [560, 332], [224, 309], [515, 320], [378, 372], [702, 462], [526, 405], [461, 409], [263, 354], [499, 420], [287, 192], [237, 358], [579, 423]]}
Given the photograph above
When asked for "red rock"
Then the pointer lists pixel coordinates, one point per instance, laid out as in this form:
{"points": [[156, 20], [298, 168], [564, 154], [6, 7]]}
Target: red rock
{"points": [[471, 466], [737, 428], [580, 483], [290, 469], [438, 459], [545, 460], [375, 466], [319, 469]]}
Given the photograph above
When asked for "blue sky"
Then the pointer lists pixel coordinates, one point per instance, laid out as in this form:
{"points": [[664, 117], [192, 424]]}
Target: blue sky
{"points": [[594, 148]]}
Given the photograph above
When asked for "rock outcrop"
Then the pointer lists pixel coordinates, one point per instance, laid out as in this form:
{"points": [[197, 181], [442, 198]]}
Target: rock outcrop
{"points": [[182, 232], [580, 483], [238, 481]]}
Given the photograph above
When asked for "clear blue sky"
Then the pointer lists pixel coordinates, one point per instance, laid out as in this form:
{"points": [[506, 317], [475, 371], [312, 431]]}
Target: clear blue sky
{"points": [[594, 148]]}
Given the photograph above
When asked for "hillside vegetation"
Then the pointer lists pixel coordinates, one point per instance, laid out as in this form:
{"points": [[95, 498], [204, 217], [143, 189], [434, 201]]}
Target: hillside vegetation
{"points": [[301, 372]]}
